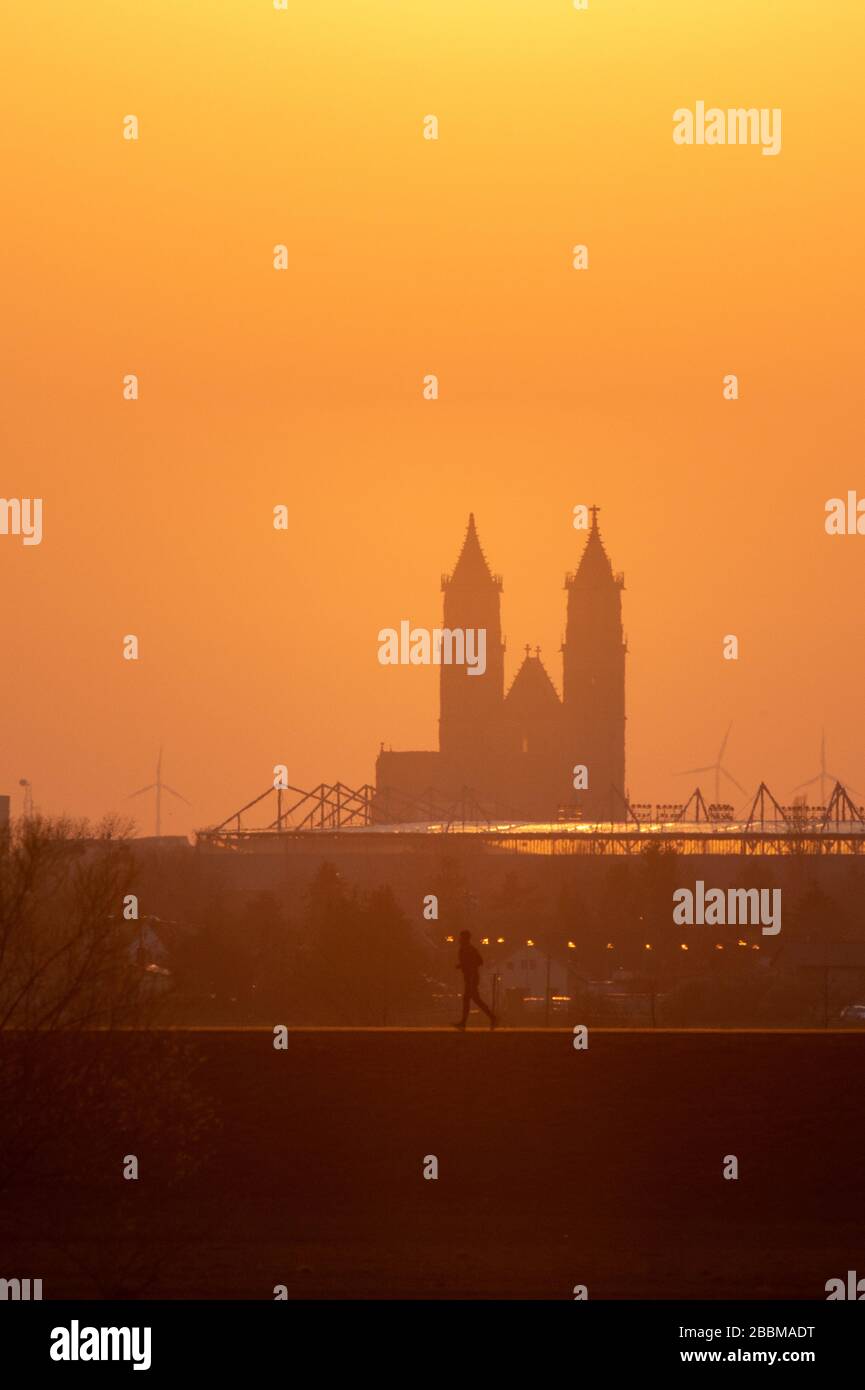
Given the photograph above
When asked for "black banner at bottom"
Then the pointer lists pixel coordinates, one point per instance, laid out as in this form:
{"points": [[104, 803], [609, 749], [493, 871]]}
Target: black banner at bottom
{"points": [[403, 1339]]}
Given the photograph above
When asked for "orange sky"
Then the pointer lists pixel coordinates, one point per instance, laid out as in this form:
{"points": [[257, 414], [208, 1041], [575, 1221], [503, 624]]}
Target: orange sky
{"points": [[406, 257]]}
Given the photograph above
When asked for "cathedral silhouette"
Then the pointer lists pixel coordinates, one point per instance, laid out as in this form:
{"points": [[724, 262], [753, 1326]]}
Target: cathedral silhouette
{"points": [[514, 755]]}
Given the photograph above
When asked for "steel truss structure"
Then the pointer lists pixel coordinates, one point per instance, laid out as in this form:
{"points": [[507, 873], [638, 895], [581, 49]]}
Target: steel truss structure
{"points": [[339, 812]]}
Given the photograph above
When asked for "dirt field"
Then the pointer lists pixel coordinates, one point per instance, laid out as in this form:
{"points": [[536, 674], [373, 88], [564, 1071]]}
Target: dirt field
{"points": [[556, 1168]]}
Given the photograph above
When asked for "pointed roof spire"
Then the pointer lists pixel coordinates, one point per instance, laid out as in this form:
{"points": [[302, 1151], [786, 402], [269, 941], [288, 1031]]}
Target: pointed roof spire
{"points": [[472, 544], [594, 567], [531, 690], [472, 564]]}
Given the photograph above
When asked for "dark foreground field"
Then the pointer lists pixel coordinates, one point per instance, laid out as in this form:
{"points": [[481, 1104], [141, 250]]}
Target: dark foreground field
{"points": [[556, 1168]]}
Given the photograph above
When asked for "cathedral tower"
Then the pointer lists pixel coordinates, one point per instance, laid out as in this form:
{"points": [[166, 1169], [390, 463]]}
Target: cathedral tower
{"points": [[469, 723], [594, 683]]}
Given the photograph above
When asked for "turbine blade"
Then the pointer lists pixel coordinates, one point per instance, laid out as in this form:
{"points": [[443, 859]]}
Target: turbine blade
{"points": [[731, 778], [686, 771], [141, 791], [724, 744], [166, 788]]}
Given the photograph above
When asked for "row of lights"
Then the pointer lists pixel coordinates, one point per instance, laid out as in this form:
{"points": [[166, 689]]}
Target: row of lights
{"points": [[684, 947], [572, 945]]}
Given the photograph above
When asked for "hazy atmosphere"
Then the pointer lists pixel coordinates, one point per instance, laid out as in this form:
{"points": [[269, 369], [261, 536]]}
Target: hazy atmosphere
{"points": [[432, 790], [407, 257]]}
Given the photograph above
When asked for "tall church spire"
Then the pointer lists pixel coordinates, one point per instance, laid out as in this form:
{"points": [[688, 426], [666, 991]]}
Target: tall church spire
{"points": [[471, 705], [594, 679]]}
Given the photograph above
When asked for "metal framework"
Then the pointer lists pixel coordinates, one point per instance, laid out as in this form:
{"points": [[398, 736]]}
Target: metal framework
{"points": [[338, 812], [338, 807]]}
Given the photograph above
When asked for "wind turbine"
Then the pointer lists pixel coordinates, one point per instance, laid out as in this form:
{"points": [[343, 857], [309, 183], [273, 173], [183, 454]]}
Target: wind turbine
{"points": [[159, 787], [719, 770], [824, 774]]}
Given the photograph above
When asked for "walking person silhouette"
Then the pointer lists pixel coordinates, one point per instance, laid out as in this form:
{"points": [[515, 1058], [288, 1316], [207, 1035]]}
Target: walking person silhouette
{"points": [[470, 962]]}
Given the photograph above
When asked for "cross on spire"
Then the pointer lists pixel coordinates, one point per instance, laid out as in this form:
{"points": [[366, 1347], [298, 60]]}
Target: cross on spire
{"points": [[594, 511]]}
